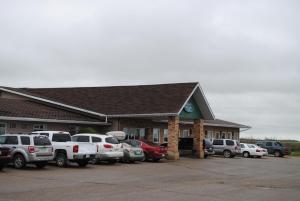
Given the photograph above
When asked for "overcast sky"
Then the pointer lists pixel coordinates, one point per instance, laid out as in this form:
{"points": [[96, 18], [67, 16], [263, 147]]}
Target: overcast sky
{"points": [[245, 54]]}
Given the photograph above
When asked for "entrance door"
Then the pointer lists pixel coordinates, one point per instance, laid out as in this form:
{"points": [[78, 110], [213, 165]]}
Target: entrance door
{"points": [[2, 128]]}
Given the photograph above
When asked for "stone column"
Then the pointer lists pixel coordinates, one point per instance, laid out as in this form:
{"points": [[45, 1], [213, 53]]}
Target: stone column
{"points": [[199, 136], [173, 132]]}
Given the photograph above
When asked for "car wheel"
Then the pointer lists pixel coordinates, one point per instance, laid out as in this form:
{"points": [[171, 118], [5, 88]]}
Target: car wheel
{"points": [[156, 159], [246, 154], [82, 163], [61, 160], [277, 154], [19, 161], [41, 164], [227, 154], [112, 161]]}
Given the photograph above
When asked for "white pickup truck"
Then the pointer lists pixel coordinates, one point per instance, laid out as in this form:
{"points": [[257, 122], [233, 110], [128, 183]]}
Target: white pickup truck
{"points": [[65, 150]]}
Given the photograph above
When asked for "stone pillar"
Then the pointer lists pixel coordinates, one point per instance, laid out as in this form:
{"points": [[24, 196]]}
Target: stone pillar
{"points": [[199, 136], [173, 132]]}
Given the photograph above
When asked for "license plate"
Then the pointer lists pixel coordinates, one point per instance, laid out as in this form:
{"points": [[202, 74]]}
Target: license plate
{"points": [[138, 152]]}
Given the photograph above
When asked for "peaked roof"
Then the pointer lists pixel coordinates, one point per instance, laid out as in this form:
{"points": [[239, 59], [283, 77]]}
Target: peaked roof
{"points": [[119, 101]]}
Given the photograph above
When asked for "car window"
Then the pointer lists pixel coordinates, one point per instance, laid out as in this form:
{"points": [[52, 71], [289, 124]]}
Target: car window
{"points": [[111, 140], [229, 142], [242, 146], [59, 137], [41, 140], [2, 139], [251, 146], [268, 144], [96, 139], [45, 134], [218, 142], [278, 144], [134, 143], [83, 139], [11, 140], [25, 140]]}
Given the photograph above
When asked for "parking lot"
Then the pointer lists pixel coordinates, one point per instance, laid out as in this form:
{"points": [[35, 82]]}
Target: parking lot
{"points": [[214, 179]]}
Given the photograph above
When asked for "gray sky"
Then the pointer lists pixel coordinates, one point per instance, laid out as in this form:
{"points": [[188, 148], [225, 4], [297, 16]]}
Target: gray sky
{"points": [[245, 54]]}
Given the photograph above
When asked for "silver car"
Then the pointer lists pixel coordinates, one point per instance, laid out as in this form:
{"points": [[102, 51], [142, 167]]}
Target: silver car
{"points": [[227, 147], [33, 149], [132, 152]]}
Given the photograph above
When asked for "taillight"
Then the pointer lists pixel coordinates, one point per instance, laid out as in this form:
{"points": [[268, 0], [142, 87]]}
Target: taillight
{"points": [[31, 149], [75, 149], [108, 146], [257, 150]]}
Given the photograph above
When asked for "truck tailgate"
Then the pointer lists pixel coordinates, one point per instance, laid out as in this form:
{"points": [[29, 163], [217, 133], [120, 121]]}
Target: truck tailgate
{"points": [[86, 148]]}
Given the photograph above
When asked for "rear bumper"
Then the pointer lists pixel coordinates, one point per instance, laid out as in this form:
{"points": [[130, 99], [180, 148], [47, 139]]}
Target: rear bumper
{"points": [[83, 157], [35, 158], [110, 156]]}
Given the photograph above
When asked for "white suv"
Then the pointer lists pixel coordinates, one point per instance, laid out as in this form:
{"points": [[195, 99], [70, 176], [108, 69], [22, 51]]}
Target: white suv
{"points": [[108, 147]]}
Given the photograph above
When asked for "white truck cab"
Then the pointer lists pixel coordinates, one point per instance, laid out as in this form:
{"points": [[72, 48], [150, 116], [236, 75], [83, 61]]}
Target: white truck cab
{"points": [[65, 150]]}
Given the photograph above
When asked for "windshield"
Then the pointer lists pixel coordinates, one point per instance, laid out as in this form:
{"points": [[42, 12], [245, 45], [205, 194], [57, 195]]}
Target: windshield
{"points": [[111, 140], [134, 143], [41, 140], [2, 139]]}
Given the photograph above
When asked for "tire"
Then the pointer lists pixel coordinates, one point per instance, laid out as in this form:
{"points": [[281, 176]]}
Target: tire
{"points": [[227, 154], [82, 163], [156, 160], [19, 161], [61, 160], [112, 161], [246, 154], [41, 164], [277, 154]]}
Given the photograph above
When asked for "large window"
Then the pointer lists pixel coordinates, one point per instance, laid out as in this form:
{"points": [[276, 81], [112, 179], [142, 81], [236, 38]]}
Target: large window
{"points": [[2, 128], [156, 135], [135, 133], [185, 133], [39, 127], [166, 135]]}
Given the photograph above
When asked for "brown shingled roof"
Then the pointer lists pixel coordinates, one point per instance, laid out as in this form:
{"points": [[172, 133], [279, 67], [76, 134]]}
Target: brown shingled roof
{"points": [[29, 109], [119, 100]]}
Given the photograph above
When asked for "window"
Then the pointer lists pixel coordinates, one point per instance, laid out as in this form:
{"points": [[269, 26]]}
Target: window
{"points": [[96, 139], [135, 133], [223, 135], [2, 139], [278, 144], [83, 139], [218, 142], [242, 146], [166, 135], [58, 137], [11, 140], [185, 133], [229, 142], [269, 144], [39, 127], [12, 125], [41, 140], [210, 135], [217, 135], [2, 128], [45, 134], [156, 135], [25, 140], [111, 140]]}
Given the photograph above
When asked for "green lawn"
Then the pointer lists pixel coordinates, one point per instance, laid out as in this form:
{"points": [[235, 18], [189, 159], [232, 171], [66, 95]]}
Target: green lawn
{"points": [[295, 153]]}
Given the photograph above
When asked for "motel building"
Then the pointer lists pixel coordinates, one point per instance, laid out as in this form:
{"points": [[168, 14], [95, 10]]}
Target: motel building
{"points": [[162, 113]]}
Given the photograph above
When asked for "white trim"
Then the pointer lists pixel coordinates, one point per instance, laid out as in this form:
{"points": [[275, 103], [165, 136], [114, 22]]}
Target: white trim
{"points": [[142, 115], [52, 120], [52, 102], [189, 97]]}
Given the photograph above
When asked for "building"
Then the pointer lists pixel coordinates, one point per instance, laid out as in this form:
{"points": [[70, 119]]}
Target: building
{"points": [[159, 113]]}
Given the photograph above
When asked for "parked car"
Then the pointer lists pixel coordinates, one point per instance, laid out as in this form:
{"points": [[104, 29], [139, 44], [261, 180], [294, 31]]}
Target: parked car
{"points": [[132, 152], [28, 149], [274, 147], [226, 147], [5, 155], [208, 148], [108, 147], [65, 150], [151, 151], [252, 150]]}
